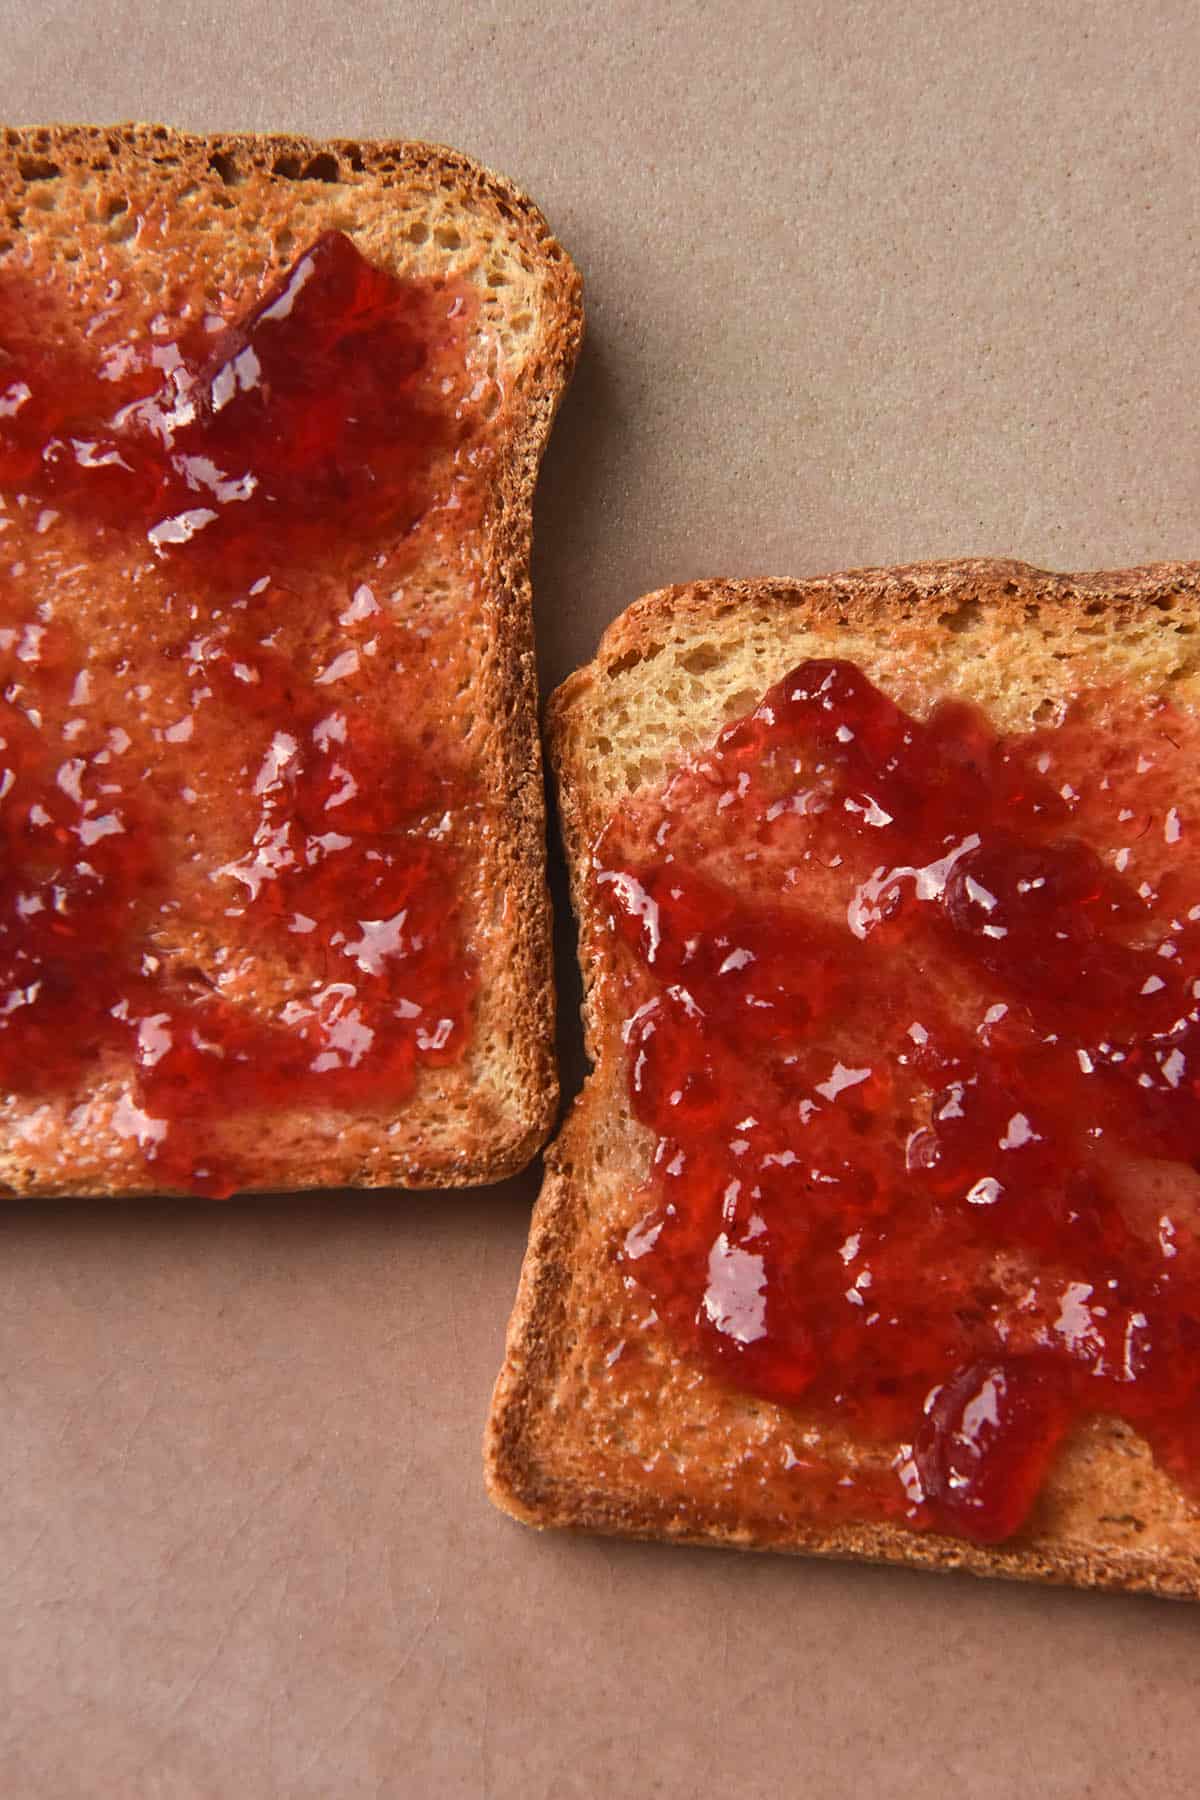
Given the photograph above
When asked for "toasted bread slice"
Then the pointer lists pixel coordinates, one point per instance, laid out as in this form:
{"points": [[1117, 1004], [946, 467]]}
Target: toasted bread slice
{"points": [[655, 1444], [128, 239]]}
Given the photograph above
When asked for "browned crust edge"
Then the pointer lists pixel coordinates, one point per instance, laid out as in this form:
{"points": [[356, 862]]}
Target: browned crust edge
{"points": [[516, 772], [535, 1492]]}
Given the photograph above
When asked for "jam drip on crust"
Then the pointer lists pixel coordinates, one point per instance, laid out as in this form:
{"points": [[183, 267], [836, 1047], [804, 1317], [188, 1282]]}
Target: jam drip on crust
{"points": [[232, 826], [913, 1011]]}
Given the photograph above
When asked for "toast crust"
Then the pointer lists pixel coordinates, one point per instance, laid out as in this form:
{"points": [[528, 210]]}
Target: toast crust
{"points": [[236, 208], [563, 1446]]}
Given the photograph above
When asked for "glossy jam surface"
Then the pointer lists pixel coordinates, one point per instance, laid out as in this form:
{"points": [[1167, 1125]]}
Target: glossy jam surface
{"points": [[913, 1010], [316, 415], [232, 823]]}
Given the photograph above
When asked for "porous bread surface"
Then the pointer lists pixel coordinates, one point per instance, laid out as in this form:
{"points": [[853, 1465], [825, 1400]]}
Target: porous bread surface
{"points": [[213, 222], [582, 1434]]}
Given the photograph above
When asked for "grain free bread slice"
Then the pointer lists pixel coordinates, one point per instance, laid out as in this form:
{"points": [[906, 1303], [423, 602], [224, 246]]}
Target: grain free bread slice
{"points": [[126, 231], [582, 1434]]}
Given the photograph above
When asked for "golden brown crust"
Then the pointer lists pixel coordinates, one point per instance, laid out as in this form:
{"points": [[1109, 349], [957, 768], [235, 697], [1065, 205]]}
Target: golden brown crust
{"points": [[662, 1454], [234, 207]]}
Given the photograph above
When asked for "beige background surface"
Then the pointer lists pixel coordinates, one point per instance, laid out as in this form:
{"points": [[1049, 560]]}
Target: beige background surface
{"points": [[867, 283]]}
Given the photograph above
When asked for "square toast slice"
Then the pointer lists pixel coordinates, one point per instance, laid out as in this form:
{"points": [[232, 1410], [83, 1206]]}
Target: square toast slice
{"points": [[629, 1401], [273, 912]]}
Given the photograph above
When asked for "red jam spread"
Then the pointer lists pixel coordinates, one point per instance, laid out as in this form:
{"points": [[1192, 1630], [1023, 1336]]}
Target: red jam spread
{"points": [[232, 827], [913, 1011]]}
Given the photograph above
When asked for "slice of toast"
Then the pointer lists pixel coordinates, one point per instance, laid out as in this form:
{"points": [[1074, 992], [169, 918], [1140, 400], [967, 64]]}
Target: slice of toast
{"points": [[286, 604], [606, 1415]]}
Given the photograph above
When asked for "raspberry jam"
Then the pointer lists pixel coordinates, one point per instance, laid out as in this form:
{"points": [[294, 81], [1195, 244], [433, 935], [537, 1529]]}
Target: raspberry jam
{"points": [[912, 1012], [314, 416], [233, 827]]}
